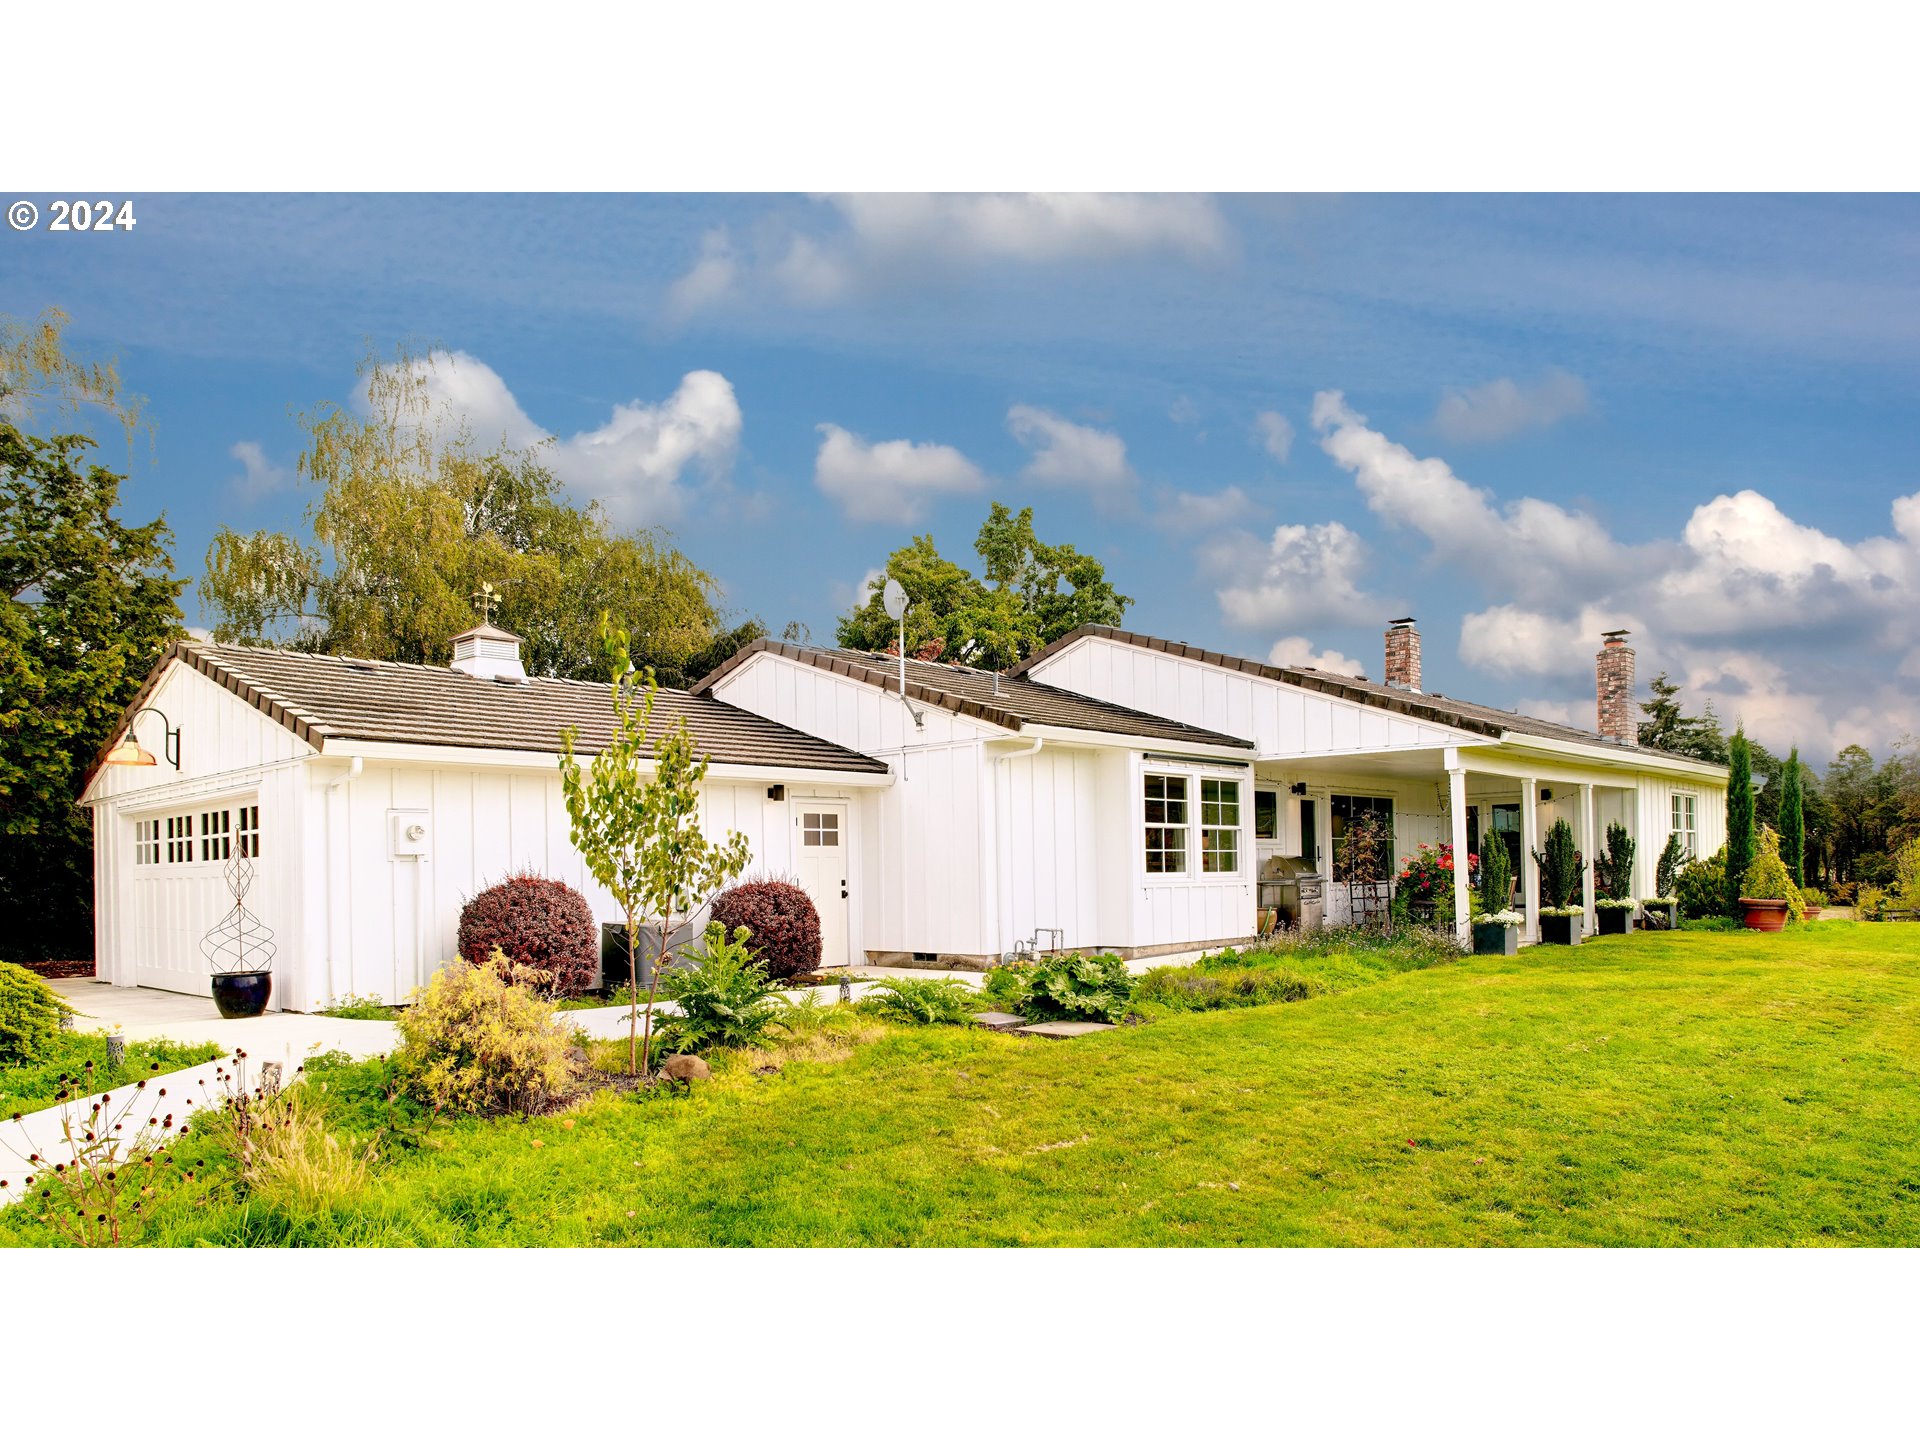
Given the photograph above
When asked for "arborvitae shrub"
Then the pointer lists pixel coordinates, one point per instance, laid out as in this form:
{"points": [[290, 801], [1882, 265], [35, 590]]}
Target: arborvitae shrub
{"points": [[783, 926], [538, 924], [1496, 874], [30, 1014]]}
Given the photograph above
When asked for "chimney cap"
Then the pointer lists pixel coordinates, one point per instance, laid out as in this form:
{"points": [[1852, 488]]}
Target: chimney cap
{"points": [[1403, 620], [1614, 637]]}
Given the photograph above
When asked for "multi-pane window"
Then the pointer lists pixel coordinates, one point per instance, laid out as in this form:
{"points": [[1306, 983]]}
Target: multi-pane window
{"points": [[179, 839], [1219, 827], [1166, 824], [821, 828], [1266, 815], [146, 842], [216, 835], [1685, 824], [246, 830]]}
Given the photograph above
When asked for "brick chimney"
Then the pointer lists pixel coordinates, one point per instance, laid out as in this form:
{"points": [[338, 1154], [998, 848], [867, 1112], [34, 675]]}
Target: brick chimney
{"points": [[1613, 688], [1403, 655]]}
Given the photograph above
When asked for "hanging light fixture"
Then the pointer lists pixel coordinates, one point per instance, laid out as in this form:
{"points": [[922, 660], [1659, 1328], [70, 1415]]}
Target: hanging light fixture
{"points": [[131, 752]]}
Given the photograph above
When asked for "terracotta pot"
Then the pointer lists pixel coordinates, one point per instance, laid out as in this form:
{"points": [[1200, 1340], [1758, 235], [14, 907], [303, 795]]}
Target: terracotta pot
{"points": [[1767, 915], [1813, 912]]}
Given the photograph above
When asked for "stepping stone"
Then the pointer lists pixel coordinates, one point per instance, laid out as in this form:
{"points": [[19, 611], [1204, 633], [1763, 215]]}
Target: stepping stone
{"points": [[999, 1020], [1062, 1029]]}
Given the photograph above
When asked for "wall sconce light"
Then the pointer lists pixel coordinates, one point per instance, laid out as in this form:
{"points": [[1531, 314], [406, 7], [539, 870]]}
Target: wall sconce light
{"points": [[776, 792], [1545, 793], [130, 752], [1299, 787]]}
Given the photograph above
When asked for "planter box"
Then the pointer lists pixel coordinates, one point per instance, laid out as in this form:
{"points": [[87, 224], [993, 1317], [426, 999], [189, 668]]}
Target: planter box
{"points": [[1496, 939], [1613, 920], [1560, 929], [1767, 915]]}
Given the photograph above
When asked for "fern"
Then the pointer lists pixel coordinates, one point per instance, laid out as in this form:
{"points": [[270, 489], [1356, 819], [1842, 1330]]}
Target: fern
{"points": [[942, 1001]]}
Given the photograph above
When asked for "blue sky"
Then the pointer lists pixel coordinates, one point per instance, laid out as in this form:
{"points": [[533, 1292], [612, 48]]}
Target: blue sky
{"points": [[1281, 421]]}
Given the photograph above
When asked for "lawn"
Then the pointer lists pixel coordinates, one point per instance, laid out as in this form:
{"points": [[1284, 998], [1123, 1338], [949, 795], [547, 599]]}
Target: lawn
{"points": [[35, 1086], [1653, 1089]]}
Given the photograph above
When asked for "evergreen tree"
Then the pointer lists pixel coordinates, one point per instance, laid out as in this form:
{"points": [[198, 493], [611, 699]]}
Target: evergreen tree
{"points": [[1740, 834], [1668, 727], [1793, 823]]}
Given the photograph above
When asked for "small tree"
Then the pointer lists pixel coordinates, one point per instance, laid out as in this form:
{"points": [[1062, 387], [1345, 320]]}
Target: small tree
{"points": [[1793, 820], [1615, 878], [1496, 874], [641, 836], [1559, 866], [1739, 817], [1666, 872]]}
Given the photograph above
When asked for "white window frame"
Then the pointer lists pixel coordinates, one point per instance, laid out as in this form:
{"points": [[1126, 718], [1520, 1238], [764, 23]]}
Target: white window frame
{"points": [[204, 834], [1689, 803], [1166, 827], [1233, 831]]}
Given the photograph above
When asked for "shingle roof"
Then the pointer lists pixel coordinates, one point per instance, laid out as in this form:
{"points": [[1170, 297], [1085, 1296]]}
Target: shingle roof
{"points": [[1418, 705], [324, 697], [1003, 700]]}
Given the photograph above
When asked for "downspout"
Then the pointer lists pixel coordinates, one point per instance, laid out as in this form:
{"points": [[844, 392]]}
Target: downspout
{"points": [[1003, 859]]}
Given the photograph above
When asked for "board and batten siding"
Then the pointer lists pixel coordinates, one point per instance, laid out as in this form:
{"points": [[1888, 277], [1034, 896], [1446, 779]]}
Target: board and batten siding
{"points": [[384, 923], [1280, 719], [149, 919]]}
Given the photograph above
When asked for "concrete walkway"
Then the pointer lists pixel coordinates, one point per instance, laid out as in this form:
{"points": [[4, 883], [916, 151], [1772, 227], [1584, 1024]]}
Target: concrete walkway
{"points": [[279, 1035]]}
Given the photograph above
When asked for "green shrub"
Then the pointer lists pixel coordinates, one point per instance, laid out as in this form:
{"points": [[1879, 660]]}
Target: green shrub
{"points": [[1767, 877], [478, 1041], [1813, 897], [1559, 868], [1666, 870], [1006, 987], [1496, 875], [1870, 902], [1184, 988], [1078, 987], [727, 1000], [932, 1001], [1613, 871], [358, 1007], [1702, 887], [30, 1015], [1711, 922]]}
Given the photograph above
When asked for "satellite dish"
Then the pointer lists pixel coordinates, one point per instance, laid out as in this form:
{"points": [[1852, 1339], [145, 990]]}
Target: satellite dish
{"points": [[894, 599]]}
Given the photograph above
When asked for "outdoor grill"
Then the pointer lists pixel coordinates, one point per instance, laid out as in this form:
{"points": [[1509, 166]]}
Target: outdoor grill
{"points": [[1295, 892]]}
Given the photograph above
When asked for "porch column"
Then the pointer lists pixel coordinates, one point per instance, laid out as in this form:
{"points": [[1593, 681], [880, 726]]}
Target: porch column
{"points": [[1586, 854], [1457, 812], [1530, 842]]}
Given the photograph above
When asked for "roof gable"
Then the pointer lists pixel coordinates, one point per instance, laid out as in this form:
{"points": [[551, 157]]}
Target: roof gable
{"points": [[1008, 701]]}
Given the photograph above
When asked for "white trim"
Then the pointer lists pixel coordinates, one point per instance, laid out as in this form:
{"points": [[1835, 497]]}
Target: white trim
{"points": [[445, 755], [1614, 757]]}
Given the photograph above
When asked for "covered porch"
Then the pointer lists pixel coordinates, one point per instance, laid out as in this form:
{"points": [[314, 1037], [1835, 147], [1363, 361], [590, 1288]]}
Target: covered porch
{"points": [[1448, 796]]}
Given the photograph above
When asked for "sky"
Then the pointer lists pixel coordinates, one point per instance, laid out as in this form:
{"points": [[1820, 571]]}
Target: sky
{"points": [[1281, 421]]}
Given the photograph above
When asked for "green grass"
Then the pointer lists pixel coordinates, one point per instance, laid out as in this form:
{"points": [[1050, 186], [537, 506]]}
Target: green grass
{"points": [[34, 1087], [1650, 1089]]}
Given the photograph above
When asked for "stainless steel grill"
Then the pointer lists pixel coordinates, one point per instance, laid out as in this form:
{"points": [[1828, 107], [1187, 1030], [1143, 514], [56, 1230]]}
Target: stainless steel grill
{"points": [[1295, 891]]}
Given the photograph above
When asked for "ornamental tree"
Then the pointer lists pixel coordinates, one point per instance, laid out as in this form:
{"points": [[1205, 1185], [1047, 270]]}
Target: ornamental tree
{"points": [[1740, 839], [641, 833]]}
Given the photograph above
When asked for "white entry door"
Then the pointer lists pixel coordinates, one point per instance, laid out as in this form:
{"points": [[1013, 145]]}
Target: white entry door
{"points": [[825, 868]]}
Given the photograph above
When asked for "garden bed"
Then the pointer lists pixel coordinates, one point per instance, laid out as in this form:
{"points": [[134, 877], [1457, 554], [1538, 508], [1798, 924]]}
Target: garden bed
{"points": [[36, 1086]]}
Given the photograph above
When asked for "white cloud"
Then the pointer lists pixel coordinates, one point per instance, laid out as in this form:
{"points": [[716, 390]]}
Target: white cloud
{"points": [[877, 239], [258, 475], [1308, 574], [633, 464], [1297, 650], [1512, 640], [1274, 432], [891, 481], [1186, 512], [1501, 408], [1068, 454], [1532, 544]]}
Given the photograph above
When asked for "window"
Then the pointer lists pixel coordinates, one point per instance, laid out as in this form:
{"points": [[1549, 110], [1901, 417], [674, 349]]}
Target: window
{"points": [[822, 828], [146, 842], [1166, 825], [247, 831], [1266, 815], [1685, 824], [179, 839], [1219, 827], [216, 837], [1343, 811]]}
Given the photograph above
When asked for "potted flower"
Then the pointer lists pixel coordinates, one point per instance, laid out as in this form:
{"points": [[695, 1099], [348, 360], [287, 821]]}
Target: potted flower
{"points": [[1423, 889], [1768, 898], [1559, 866], [1813, 900], [1613, 877], [1496, 929], [1663, 908]]}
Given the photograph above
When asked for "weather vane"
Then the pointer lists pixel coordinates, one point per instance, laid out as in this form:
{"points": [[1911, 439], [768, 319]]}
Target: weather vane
{"points": [[486, 597]]}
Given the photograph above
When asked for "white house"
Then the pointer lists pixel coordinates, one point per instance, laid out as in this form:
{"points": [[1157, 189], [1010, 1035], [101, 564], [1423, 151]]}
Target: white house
{"points": [[1116, 792]]}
